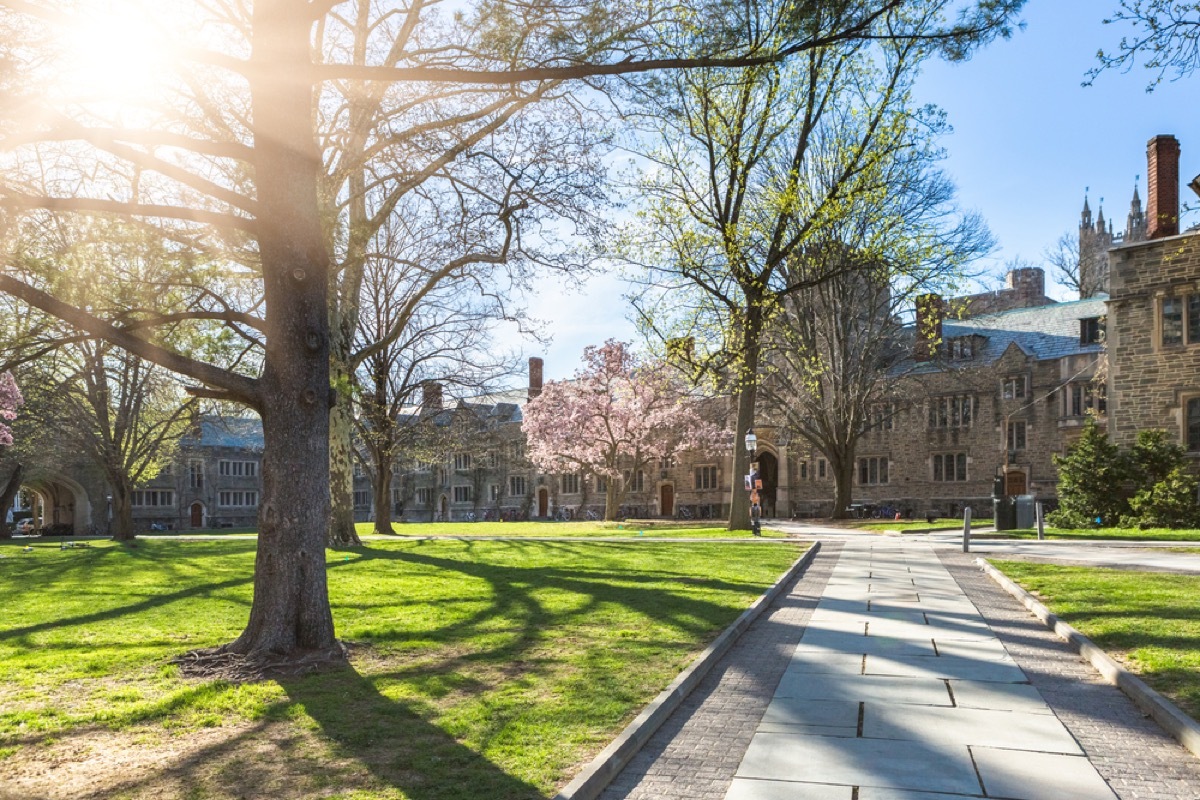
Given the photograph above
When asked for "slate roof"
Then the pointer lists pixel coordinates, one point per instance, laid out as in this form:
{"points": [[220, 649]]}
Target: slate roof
{"points": [[1043, 332], [240, 432]]}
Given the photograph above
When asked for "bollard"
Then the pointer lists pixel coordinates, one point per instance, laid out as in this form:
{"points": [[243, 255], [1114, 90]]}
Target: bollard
{"points": [[967, 529], [1041, 523]]}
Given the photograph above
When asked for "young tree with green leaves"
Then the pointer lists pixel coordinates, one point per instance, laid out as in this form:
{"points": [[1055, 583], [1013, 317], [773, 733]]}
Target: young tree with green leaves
{"points": [[753, 173]]}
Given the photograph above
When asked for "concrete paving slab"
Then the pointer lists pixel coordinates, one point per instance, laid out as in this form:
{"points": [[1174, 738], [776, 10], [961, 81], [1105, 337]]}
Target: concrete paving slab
{"points": [[913, 630], [882, 793], [743, 789], [812, 662], [970, 726], [1039, 776], [999, 696], [980, 649], [947, 667], [839, 642], [913, 615], [804, 716], [860, 762], [867, 688]]}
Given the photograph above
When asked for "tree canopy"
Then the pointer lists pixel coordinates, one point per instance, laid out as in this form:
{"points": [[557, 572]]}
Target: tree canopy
{"points": [[1165, 39], [202, 123]]}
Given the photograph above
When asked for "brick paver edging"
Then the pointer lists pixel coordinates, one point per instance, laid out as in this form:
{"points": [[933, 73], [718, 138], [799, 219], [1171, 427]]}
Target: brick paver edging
{"points": [[1166, 713], [588, 784]]}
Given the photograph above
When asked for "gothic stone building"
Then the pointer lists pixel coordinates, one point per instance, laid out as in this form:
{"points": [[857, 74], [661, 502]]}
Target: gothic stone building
{"points": [[1010, 386]]}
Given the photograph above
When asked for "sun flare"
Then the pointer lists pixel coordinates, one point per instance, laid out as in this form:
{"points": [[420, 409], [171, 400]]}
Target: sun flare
{"points": [[113, 54]]}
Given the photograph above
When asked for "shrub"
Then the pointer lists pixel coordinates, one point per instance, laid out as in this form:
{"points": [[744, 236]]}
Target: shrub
{"points": [[1090, 480], [1149, 486], [1169, 503]]}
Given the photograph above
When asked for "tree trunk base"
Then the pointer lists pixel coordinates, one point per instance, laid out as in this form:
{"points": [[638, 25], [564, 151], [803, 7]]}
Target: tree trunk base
{"points": [[344, 538], [220, 663]]}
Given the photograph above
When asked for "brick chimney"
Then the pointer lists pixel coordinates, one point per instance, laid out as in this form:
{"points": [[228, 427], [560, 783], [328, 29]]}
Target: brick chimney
{"points": [[1162, 187], [431, 396], [930, 310], [1028, 282], [535, 377]]}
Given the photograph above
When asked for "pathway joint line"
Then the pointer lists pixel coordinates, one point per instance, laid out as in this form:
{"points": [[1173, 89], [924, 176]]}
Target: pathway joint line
{"points": [[593, 779], [1165, 713]]}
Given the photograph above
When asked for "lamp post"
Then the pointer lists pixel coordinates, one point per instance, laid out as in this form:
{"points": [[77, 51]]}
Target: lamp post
{"points": [[755, 508]]}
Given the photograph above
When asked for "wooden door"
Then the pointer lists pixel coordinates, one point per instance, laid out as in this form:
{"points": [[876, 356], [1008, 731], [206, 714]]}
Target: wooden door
{"points": [[1014, 482], [197, 520], [666, 505]]}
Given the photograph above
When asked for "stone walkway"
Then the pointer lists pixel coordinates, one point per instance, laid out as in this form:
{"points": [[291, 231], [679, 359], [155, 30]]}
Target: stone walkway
{"points": [[894, 670]]}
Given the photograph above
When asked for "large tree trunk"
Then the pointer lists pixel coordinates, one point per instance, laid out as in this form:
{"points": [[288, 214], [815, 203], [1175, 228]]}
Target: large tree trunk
{"points": [[383, 500], [843, 485], [342, 532], [612, 500], [739, 499], [290, 616], [121, 525], [11, 487]]}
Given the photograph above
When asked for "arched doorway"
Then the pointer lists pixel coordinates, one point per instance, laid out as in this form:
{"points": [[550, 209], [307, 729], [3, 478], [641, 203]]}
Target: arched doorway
{"points": [[666, 500], [768, 473], [444, 513], [543, 502], [196, 519]]}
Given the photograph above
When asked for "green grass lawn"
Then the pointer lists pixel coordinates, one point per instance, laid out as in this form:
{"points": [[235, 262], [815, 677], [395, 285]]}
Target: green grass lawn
{"points": [[1148, 620], [1115, 534], [647, 528], [480, 669]]}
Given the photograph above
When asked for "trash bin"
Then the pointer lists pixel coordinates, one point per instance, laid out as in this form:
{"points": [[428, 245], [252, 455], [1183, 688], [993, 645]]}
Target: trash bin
{"points": [[1005, 512], [1026, 511]]}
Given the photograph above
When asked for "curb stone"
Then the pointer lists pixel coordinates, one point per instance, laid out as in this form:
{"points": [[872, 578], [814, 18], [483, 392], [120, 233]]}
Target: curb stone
{"points": [[588, 784], [1167, 714]]}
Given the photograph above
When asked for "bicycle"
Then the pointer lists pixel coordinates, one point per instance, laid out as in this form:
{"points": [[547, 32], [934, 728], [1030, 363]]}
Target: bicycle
{"points": [[684, 513], [591, 515]]}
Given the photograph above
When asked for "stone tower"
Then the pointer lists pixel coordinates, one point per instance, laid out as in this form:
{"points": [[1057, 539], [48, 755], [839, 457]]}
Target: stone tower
{"points": [[1096, 239]]}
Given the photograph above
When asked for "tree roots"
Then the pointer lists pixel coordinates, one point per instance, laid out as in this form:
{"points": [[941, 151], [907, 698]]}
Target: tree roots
{"points": [[218, 663]]}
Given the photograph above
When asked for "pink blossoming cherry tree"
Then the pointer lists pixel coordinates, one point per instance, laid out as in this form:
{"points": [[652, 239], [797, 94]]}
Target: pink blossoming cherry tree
{"points": [[620, 412]]}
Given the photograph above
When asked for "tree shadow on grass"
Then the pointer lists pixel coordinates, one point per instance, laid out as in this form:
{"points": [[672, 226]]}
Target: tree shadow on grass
{"points": [[513, 595], [400, 749]]}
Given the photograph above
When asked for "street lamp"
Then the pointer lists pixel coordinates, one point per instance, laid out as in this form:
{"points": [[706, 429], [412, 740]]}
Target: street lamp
{"points": [[755, 509]]}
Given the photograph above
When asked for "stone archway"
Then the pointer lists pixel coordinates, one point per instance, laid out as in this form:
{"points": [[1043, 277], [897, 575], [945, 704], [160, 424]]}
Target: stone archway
{"points": [[59, 500]]}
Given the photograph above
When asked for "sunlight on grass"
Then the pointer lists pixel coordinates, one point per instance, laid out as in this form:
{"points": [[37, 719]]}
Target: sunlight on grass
{"points": [[648, 529], [1148, 620], [498, 665]]}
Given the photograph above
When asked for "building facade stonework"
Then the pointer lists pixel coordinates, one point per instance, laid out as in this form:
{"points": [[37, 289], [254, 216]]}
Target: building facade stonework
{"points": [[1003, 389]]}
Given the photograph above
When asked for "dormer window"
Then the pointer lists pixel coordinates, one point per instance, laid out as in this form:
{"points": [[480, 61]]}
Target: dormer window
{"points": [[961, 347], [1091, 330]]}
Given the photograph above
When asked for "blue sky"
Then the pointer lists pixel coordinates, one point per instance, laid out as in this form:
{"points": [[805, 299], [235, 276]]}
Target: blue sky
{"points": [[1028, 140]]}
